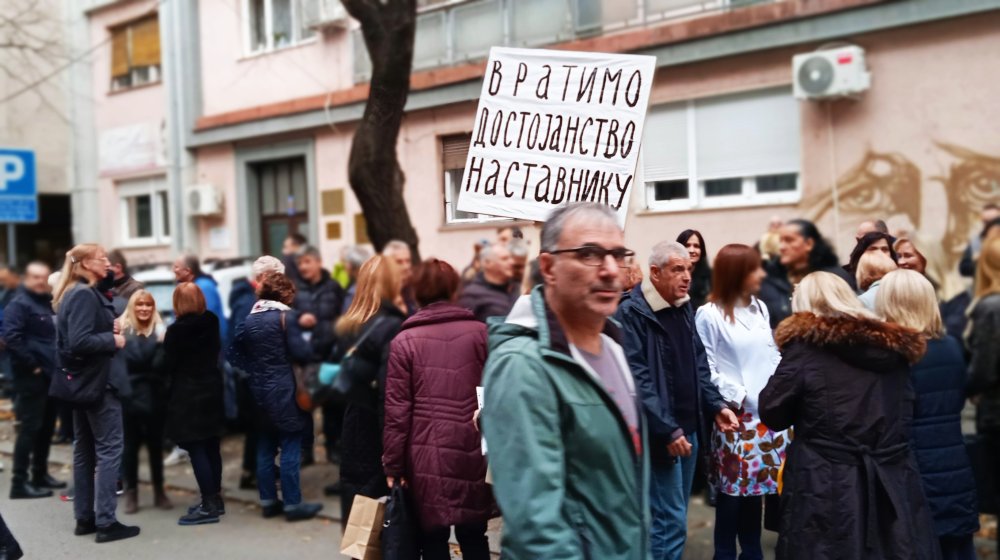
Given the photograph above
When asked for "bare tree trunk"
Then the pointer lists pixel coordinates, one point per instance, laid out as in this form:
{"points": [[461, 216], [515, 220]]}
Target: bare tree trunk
{"points": [[388, 28]]}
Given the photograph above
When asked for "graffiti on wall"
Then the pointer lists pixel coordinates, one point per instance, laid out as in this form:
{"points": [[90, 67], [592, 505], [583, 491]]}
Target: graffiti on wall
{"points": [[889, 184]]}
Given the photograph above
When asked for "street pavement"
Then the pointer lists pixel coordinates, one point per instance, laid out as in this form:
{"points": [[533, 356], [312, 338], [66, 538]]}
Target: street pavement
{"points": [[45, 527]]}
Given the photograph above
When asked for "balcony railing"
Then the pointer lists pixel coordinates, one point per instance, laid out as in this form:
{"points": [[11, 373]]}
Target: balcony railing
{"points": [[455, 32]]}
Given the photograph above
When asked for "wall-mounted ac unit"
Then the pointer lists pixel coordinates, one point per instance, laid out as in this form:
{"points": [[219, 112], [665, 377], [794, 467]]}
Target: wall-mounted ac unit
{"points": [[202, 200], [325, 14], [831, 73]]}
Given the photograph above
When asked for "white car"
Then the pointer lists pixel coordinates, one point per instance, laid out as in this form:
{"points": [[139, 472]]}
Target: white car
{"points": [[160, 282]]}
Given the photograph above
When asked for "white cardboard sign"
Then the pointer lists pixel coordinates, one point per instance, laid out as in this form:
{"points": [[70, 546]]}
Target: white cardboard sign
{"points": [[555, 127]]}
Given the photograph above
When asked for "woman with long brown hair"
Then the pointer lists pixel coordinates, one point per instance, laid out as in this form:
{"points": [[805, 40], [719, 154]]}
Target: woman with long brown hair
{"points": [[88, 337], [736, 331], [364, 332]]}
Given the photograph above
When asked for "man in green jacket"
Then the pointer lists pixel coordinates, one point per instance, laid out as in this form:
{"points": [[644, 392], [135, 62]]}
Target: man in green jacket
{"points": [[561, 419]]}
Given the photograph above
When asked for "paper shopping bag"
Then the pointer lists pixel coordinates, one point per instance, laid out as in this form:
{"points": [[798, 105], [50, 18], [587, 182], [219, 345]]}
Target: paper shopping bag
{"points": [[364, 525]]}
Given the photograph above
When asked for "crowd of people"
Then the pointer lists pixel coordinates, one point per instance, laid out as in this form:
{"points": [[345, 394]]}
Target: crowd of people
{"points": [[822, 400]]}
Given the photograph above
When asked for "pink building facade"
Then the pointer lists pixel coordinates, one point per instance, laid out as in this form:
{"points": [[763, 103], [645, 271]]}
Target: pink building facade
{"points": [[272, 101]]}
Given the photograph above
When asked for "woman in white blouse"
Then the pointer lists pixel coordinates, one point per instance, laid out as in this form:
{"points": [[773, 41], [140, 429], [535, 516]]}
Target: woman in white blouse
{"points": [[735, 329]]}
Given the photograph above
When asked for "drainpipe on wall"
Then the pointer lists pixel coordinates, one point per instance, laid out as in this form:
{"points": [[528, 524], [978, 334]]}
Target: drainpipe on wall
{"points": [[181, 169], [82, 166]]}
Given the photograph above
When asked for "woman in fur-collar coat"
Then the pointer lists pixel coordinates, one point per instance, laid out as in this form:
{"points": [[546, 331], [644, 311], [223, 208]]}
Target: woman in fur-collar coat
{"points": [[851, 487]]}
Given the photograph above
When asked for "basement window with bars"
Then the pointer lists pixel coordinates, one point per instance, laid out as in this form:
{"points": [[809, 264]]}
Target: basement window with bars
{"points": [[135, 53], [727, 151]]}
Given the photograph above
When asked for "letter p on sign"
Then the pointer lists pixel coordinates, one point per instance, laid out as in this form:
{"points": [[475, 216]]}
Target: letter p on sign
{"points": [[11, 170]]}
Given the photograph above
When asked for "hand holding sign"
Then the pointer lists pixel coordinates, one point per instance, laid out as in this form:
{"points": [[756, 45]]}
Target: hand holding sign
{"points": [[555, 127]]}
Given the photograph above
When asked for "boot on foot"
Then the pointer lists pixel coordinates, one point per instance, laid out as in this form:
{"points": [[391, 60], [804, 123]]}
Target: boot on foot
{"points": [[116, 532]]}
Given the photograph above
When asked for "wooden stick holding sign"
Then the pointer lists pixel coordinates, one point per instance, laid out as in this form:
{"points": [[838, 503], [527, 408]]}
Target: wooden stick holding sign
{"points": [[555, 127]]}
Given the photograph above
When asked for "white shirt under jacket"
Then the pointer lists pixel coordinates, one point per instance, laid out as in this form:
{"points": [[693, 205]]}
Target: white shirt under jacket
{"points": [[741, 355]]}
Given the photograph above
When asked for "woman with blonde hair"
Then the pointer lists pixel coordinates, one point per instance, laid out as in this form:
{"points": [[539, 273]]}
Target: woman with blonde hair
{"points": [[88, 338], [145, 409], [850, 487], [917, 252], [364, 331], [871, 267], [983, 342], [908, 299]]}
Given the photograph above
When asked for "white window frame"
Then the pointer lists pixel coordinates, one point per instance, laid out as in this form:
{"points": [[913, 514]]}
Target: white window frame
{"points": [[148, 186], [450, 202], [135, 78], [697, 199], [297, 10]]}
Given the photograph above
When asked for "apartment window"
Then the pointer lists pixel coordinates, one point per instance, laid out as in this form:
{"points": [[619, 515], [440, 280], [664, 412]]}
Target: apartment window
{"points": [[455, 150], [135, 53], [276, 24], [145, 211], [735, 150]]}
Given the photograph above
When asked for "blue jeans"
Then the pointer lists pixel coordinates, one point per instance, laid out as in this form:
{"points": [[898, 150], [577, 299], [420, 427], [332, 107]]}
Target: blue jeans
{"points": [[740, 518], [670, 489], [290, 444]]}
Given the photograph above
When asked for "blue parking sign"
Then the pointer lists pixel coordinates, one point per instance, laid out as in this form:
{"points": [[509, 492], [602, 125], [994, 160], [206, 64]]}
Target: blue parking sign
{"points": [[18, 186]]}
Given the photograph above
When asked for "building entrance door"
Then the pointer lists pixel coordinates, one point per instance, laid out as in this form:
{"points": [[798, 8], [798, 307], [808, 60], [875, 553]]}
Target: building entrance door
{"points": [[282, 191]]}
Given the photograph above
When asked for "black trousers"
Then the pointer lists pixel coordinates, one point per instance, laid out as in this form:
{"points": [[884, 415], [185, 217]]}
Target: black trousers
{"points": [[143, 429], [37, 414], [206, 461], [333, 424], [471, 539]]}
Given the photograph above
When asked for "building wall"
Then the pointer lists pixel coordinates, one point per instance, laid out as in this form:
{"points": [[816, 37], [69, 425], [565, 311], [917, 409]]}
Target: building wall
{"points": [[919, 149], [234, 79], [130, 130]]}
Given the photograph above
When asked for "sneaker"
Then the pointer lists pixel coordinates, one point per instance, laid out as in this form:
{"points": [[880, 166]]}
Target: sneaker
{"points": [[212, 503], [119, 488], [85, 527], [116, 532], [302, 511], [272, 510], [200, 516], [67, 496], [176, 457]]}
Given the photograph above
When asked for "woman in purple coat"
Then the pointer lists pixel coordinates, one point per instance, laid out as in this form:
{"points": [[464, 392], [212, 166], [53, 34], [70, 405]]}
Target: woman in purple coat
{"points": [[430, 445]]}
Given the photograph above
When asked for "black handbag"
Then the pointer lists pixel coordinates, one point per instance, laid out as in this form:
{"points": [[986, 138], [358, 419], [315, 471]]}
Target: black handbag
{"points": [[80, 381], [358, 375], [398, 537]]}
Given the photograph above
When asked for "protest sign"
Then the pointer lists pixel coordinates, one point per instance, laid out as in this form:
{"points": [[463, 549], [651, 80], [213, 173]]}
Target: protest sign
{"points": [[555, 127]]}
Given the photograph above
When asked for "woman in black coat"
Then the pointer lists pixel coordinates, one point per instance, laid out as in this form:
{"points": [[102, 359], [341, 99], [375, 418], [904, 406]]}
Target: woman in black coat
{"points": [[802, 251], [195, 409], [851, 487], [908, 299], [88, 338], [983, 341], [144, 411], [701, 276], [365, 332], [266, 344]]}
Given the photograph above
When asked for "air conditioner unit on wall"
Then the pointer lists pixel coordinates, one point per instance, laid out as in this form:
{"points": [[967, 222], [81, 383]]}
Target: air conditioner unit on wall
{"points": [[202, 200], [831, 73], [325, 14]]}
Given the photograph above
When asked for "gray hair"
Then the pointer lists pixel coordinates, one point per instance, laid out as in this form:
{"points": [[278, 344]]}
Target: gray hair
{"points": [[356, 256], [265, 265], [393, 246], [310, 251], [490, 251], [553, 227], [518, 248], [666, 250]]}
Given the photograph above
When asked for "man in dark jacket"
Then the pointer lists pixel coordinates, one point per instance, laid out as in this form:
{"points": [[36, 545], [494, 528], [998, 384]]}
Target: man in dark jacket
{"points": [[318, 301], [489, 293], [30, 333], [125, 285], [674, 383]]}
